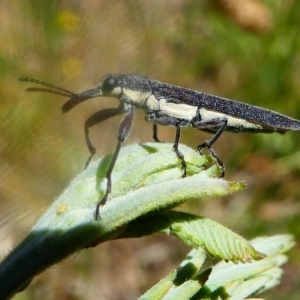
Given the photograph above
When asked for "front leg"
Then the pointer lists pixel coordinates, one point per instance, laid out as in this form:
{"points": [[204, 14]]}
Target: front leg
{"points": [[219, 125], [94, 119], [124, 130], [169, 121]]}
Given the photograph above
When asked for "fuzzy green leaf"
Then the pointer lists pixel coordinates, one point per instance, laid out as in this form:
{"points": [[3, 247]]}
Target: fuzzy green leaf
{"points": [[229, 280], [159, 290], [241, 281], [196, 231], [146, 179]]}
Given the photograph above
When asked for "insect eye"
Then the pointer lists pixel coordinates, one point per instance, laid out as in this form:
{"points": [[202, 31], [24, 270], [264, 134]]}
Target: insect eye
{"points": [[108, 85]]}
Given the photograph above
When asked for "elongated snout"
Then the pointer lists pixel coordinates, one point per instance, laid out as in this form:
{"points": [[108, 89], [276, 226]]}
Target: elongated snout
{"points": [[78, 98]]}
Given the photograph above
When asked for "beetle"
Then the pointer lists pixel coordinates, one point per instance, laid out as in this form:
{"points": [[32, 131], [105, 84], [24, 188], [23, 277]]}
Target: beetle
{"points": [[169, 105]]}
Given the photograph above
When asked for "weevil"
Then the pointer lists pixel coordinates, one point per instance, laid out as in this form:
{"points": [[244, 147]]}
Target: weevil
{"points": [[169, 105]]}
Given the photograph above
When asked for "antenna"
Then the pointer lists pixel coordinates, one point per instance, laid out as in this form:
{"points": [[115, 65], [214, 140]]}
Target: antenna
{"points": [[54, 89]]}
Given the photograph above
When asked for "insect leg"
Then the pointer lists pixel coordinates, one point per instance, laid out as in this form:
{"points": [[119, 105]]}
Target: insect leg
{"points": [[124, 130], [221, 124], [94, 119], [169, 121], [155, 137], [178, 153]]}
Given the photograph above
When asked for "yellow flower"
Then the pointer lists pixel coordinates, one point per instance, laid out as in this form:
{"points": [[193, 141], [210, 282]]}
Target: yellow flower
{"points": [[67, 20]]}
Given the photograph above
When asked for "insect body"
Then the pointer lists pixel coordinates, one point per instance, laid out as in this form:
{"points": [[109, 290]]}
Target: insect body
{"points": [[170, 105]]}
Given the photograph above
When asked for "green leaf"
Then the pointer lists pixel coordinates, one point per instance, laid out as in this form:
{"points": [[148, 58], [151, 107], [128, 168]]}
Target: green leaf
{"points": [[183, 292], [147, 179], [241, 281], [190, 266], [217, 240], [196, 231], [159, 290], [229, 280]]}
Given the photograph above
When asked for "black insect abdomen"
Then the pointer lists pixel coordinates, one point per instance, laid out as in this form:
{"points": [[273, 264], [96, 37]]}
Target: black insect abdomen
{"points": [[226, 106]]}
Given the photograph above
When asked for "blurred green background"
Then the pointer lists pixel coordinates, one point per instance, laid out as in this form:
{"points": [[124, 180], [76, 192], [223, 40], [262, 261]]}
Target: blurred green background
{"points": [[245, 50]]}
